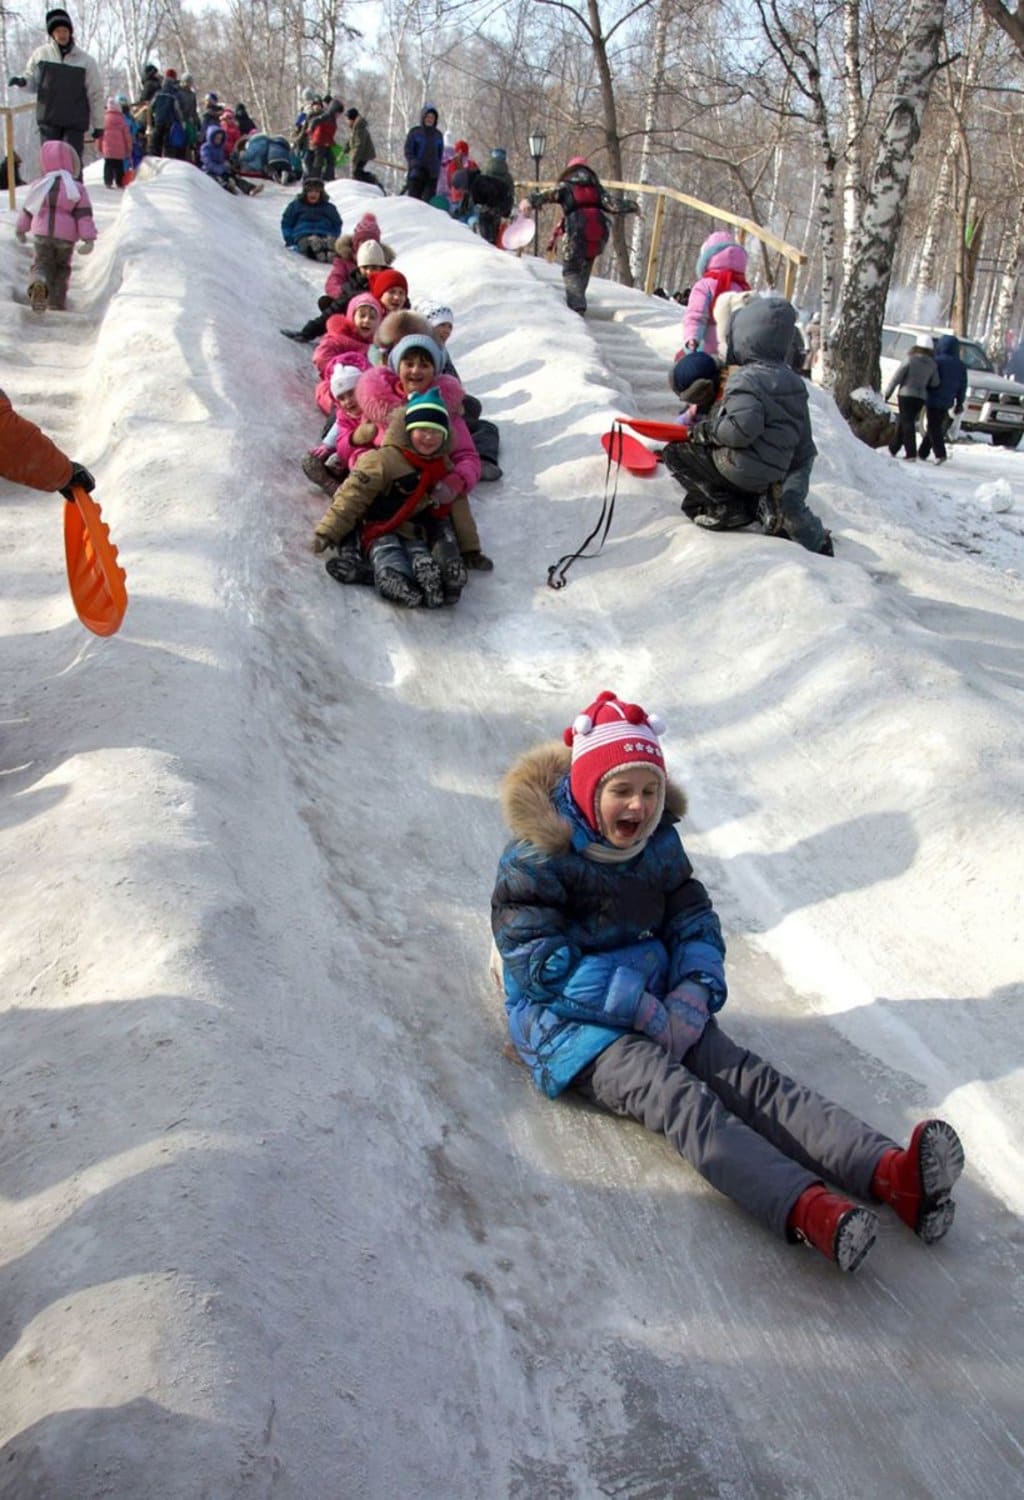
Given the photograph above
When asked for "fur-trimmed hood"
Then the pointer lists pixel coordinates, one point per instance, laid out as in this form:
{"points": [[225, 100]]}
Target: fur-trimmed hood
{"points": [[527, 805], [346, 246], [378, 393]]}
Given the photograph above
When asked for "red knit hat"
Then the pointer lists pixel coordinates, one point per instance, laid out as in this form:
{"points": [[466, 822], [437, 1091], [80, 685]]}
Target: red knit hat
{"points": [[611, 736], [383, 281]]}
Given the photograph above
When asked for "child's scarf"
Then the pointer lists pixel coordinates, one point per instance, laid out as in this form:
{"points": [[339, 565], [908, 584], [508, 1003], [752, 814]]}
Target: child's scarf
{"points": [[37, 193], [432, 471]]}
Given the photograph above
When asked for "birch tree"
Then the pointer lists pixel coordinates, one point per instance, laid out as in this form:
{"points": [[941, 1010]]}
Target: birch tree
{"points": [[858, 332]]}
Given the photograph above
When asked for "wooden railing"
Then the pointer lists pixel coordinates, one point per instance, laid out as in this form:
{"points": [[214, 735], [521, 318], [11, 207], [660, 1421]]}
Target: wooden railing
{"points": [[790, 254]]}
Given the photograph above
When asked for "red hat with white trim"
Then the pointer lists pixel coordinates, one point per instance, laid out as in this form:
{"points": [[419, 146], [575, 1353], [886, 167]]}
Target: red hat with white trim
{"points": [[612, 736]]}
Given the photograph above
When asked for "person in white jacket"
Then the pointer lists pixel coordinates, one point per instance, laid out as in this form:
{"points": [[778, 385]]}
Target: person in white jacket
{"points": [[66, 82]]}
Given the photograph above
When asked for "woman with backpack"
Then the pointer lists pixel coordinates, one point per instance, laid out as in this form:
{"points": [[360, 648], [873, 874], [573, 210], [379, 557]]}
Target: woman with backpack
{"points": [[584, 229]]}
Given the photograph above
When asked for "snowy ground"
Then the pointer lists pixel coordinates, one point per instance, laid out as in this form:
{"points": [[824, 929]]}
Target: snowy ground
{"points": [[279, 1217]]}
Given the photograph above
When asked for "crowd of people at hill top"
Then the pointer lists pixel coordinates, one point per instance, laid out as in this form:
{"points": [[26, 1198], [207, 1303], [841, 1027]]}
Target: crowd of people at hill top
{"points": [[746, 450]]}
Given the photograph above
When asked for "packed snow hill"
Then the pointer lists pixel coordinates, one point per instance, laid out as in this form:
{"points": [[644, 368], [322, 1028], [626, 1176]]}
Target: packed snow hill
{"points": [[280, 1216]]}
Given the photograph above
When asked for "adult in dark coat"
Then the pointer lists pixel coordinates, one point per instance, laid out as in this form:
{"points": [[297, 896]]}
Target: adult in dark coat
{"points": [[361, 150], [951, 391], [424, 147], [168, 136], [70, 101], [244, 120], [492, 195]]}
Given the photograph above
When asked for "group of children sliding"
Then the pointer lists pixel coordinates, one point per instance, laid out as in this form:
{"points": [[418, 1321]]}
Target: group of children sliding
{"points": [[405, 445]]}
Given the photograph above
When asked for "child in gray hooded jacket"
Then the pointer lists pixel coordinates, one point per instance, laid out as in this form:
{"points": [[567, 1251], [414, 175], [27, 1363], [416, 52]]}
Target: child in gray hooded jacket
{"points": [[757, 440]]}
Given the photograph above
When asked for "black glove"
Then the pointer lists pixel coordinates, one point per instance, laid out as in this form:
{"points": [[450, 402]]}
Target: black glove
{"points": [[98, 134], [959, 410], [17, 83], [700, 435], [79, 475]]}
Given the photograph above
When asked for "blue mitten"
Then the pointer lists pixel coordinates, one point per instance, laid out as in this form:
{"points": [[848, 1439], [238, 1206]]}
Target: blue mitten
{"points": [[687, 1009]]}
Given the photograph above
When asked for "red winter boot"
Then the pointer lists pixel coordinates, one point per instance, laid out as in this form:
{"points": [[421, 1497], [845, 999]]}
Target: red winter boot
{"points": [[917, 1182], [841, 1230]]}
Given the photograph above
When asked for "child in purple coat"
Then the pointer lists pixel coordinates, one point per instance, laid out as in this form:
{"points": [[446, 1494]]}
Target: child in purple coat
{"points": [[57, 211]]}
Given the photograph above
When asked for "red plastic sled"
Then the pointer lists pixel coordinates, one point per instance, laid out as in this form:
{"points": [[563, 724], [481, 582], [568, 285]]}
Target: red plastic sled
{"points": [[661, 432], [95, 577], [626, 450]]}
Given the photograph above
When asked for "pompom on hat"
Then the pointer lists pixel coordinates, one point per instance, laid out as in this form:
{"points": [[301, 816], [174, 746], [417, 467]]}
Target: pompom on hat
{"points": [[366, 229], [612, 736]]}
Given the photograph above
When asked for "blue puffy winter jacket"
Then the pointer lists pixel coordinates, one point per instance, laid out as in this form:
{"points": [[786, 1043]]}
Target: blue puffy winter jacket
{"points": [[301, 218], [581, 940]]}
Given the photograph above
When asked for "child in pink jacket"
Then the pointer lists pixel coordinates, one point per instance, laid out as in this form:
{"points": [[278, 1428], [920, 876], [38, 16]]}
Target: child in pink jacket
{"points": [[721, 267], [57, 210], [116, 145]]}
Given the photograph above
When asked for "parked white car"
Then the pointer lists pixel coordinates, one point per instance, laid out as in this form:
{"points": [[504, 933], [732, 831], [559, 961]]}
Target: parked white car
{"points": [[994, 404]]}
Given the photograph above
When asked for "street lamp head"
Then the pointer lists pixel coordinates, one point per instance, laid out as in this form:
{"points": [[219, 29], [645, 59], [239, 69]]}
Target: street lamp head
{"points": [[538, 145]]}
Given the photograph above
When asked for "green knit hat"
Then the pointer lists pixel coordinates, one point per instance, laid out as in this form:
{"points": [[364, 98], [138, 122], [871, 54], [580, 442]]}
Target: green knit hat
{"points": [[427, 410]]}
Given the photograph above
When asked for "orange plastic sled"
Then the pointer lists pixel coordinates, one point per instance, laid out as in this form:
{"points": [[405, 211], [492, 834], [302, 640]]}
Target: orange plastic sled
{"points": [[95, 577]]}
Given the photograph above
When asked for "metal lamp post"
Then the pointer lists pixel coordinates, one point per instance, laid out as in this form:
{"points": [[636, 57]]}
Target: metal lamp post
{"points": [[538, 145]]}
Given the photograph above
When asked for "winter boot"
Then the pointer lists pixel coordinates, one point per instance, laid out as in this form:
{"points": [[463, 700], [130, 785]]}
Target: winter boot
{"points": [[826, 549], [489, 471], [349, 566], [446, 554], [841, 1230], [38, 296], [769, 511], [917, 1182], [296, 334], [319, 474], [478, 561], [396, 587], [428, 577]]}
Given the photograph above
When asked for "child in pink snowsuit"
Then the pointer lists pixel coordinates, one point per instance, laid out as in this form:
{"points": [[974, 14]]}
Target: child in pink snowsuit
{"points": [[57, 210], [116, 144], [721, 267]]}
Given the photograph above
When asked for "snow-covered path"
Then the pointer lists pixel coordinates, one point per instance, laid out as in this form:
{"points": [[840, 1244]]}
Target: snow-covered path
{"points": [[279, 1217]]}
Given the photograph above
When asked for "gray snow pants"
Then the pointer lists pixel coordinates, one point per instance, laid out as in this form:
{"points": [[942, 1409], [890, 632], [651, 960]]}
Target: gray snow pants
{"points": [[754, 1134], [802, 525], [52, 265]]}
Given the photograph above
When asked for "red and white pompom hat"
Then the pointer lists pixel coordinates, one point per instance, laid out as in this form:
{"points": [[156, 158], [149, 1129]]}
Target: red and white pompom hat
{"points": [[612, 736]]}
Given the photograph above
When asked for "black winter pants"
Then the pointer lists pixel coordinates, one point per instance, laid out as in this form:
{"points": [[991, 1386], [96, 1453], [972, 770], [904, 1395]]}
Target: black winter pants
{"points": [[910, 410]]}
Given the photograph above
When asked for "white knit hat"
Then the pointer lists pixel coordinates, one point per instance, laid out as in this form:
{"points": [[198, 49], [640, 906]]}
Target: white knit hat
{"points": [[370, 254]]}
